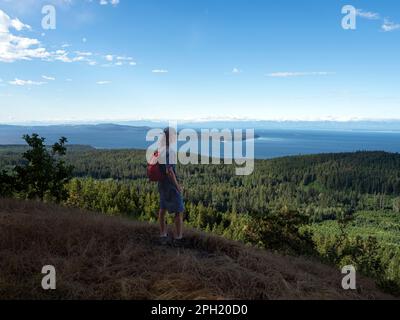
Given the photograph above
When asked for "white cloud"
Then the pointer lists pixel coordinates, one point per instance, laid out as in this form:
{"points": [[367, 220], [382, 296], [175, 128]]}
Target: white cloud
{"points": [[60, 55], [19, 82], [6, 23], [28, 6], [103, 82], [79, 58], [18, 25], [84, 54], [367, 14], [298, 74], [159, 71], [49, 78], [122, 60], [67, 57], [24, 6], [125, 58], [388, 25], [14, 47], [114, 60], [106, 2], [236, 71]]}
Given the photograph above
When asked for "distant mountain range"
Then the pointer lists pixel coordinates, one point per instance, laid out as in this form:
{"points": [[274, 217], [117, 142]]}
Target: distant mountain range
{"points": [[132, 134], [370, 125], [313, 125], [106, 135], [367, 125], [100, 136]]}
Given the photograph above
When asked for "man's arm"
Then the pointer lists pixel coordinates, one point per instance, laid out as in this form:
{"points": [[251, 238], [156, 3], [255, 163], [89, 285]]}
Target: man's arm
{"points": [[172, 176]]}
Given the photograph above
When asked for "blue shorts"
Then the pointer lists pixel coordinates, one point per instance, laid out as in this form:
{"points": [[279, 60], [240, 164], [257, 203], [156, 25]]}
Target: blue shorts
{"points": [[170, 198]]}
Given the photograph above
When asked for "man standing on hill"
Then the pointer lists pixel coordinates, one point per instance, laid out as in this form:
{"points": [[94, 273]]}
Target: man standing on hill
{"points": [[171, 199]]}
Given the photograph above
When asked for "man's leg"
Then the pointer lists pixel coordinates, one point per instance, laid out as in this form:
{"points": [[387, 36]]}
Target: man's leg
{"points": [[179, 225], [163, 224]]}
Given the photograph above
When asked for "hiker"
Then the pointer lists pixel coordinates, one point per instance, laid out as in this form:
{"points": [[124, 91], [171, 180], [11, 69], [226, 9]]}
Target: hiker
{"points": [[171, 199]]}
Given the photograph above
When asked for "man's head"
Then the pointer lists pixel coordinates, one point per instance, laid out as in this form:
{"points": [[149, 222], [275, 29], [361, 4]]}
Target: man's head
{"points": [[169, 136]]}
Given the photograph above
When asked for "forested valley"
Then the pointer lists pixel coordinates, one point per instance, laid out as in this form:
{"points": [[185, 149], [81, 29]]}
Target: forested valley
{"points": [[343, 209]]}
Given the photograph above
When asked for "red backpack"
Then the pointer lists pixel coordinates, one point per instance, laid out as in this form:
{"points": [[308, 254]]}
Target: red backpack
{"points": [[154, 172]]}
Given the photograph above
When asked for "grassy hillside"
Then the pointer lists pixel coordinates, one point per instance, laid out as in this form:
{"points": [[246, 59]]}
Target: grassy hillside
{"points": [[341, 208], [99, 257]]}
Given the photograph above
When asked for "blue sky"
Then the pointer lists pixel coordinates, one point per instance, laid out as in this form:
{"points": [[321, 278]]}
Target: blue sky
{"points": [[178, 59]]}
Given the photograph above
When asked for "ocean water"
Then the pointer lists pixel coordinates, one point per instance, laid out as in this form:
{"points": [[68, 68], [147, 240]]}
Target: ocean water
{"points": [[271, 143], [278, 143]]}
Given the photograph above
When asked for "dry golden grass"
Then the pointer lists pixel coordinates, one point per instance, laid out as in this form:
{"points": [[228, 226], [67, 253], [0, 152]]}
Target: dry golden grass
{"points": [[98, 257]]}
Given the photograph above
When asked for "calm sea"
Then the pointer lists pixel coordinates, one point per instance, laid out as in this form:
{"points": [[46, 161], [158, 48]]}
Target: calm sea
{"points": [[271, 143], [278, 143]]}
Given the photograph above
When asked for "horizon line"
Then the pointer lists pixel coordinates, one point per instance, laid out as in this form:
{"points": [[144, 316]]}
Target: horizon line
{"points": [[200, 120]]}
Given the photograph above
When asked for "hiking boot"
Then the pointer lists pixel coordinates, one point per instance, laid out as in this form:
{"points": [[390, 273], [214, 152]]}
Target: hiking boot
{"points": [[163, 241], [179, 242]]}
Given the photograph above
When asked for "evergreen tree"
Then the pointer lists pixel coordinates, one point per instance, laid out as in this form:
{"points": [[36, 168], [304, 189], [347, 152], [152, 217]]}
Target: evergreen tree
{"points": [[44, 173]]}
